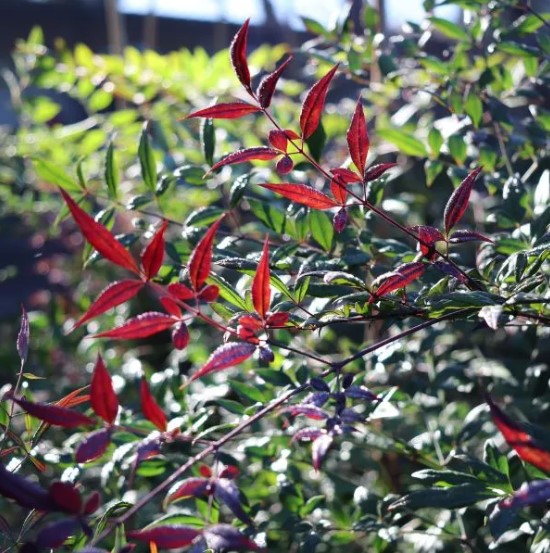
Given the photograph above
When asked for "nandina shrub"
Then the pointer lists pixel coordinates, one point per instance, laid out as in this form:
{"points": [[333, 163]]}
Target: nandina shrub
{"points": [[335, 381]]}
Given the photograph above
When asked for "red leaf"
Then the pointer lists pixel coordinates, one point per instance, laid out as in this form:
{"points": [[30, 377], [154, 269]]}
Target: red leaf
{"points": [[284, 165], [302, 194], [237, 51], [261, 291], [251, 321], [459, 236], [142, 326], [230, 471], [53, 414], [92, 502], [278, 140], [153, 253], [150, 408], [309, 411], [171, 306], [99, 237], [338, 183], [376, 171], [190, 487], [401, 277], [224, 537], [66, 496], [180, 336], [307, 433], [313, 104], [343, 175], [93, 446], [115, 294], [103, 398], [319, 449], [230, 110], [209, 293], [358, 138], [429, 236], [205, 471], [267, 85], [340, 220], [277, 319], [458, 202], [167, 536], [225, 356], [200, 259], [526, 446], [249, 154], [181, 291]]}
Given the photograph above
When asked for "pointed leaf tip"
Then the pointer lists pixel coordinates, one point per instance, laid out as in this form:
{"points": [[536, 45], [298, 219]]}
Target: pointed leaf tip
{"points": [[224, 357], [237, 52], [358, 138], [23, 337], [150, 408], [230, 110], [261, 291], [102, 395], [302, 194], [200, 259], [458, 202], [153, 253], [142, 326], [267, 85]]}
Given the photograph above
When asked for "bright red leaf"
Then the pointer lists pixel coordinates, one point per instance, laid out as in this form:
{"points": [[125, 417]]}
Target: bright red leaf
{"points": [[209, 293], [190, 487], [165, 536], [99, 237], [284, 165], [302, 194], [230, 110], [142, 326], [180, 335], [261, 291], [114, 294], [200, 259], [225, 356], [181, 291], [313, 104], [93, 446], [102, 395], [376, 171], [428, 236], [249, 154], [358, 138], [153, 253], [237, 52], [401, 277], [150, 408], [458, 202], [267, 85]]}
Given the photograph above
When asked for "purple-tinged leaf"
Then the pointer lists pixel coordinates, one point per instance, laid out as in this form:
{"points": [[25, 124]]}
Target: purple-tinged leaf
{"points": [[92, 502], [231, 110], [99, 237], [302, 194], [340, 220], [237, 52], [93, 446], [350, 416], [53, 414], [317, 383], [180, 336], [310, 411], [200, 259], [376, 171], [66, 497], [314, 102], [153, 253], [308, 433], [142, 326], [102, 395], [360, 392], [261, 291], [261, 153], [267, 85], [530, 493], [401, 277], [458, 202], [319, 449], [150, 408], [150, 447], [450, 270], [223, 537], [25, 492], [23, 336], [54, 534], [284, 165], [114, 294], [225, 356], [190, 487], [318, 399], [358, 138], [459, 236], [227, 492], [171, 536]]}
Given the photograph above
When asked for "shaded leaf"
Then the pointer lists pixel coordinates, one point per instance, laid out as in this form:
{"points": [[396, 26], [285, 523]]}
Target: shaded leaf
{"points": [[142, 326], [319, 449], [249, 154], [180, 336], [302, 194], [237, 52], [200, 259], [458, 202], [310, 411], [150, 408], [455, 497], [24, 491], [111, 172], [223, 537], [190, 487], [227, 492], [459, 236], [54, 534], [358, 138], [147, 160], [23, 337], [225, 356], [93, 446], [376, 171], [261, 291], [230, 110], [153, 253], [267, 85], [66, 496], [401, 277], [102, 395], [530, 493], [165, 536]]}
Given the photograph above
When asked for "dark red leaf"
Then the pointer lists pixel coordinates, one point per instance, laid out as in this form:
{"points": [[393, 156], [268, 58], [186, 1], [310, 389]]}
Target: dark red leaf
{"points": [[429, 237], [249, 154], [526, 446], [376, 171], [261, 291], [302, 194], [91, 505], [180, 336], [309, 433], [171, 306], [230, 110], [278, 140], [99, 237], [142, 326], [150, 408], [200, 259], [459, 236], [319, 449], [102, 395], [227, 492], [181, 291], [93, 446], [530, 493], [25, 492], [451, 270], [277, 319], [345, 176], [190, 487], [66, 497], [251, 321], [223, 537], [165, 536], [358, 138], [230, 472], [340, 220], [54, 534], [225, 356], [153, 253], [205, 471], [309, 411], [237, 52], [267, 85], [401, 277], [23, 336], [312, 107], [284, 165], [209, 293], [360, 392], [458, 202], [115, 294], [53, 414]]}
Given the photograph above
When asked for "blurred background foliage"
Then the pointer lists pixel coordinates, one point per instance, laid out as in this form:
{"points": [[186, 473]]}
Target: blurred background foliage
{"points": [[441, 97]]}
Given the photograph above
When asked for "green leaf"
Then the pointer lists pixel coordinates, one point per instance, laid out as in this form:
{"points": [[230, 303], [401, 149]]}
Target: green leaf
{"points": [[270, 216], [111, 172], [449, 29], [457, 148], [253, 393], [444, 478], [147, 160], [227, 292], [316, 142], [474, 108], [405, 142], [321, 229], [54, 175], [208, 140], [435, 141]]}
